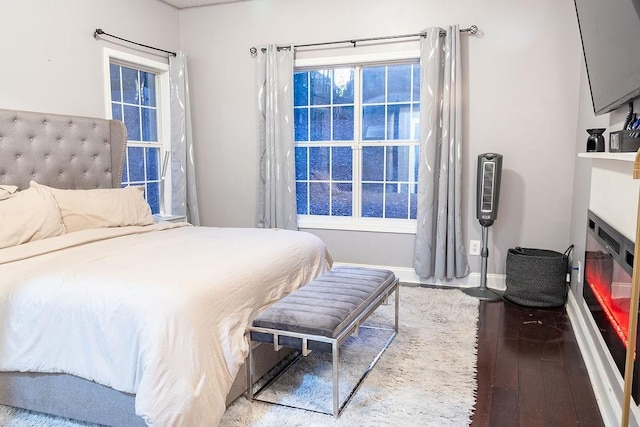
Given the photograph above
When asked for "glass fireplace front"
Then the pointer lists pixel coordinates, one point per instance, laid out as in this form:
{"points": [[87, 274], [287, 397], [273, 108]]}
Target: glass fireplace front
{"points": [[608, 268]]}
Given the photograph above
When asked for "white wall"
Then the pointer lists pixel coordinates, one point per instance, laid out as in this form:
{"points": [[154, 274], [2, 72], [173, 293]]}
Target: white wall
{"points": [[52, 63], [521, 93], [605, 377], [583, 170]]}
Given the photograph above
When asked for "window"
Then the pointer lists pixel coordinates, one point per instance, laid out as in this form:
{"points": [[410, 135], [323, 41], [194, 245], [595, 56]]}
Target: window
{"points": [[356, 145], [136, 97]]}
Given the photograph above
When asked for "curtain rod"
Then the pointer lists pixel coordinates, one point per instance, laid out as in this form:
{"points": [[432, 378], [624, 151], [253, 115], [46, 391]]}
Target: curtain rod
{"points": [[473, 29], [98, 32]]}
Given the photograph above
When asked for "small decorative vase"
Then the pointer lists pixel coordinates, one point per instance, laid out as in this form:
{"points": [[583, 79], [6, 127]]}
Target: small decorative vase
{"points": [[595, 142]]}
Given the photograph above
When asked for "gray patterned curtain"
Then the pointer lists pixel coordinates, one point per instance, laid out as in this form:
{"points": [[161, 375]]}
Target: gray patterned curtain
{"points": [[439, 246], [183, 174], [276, 179]]}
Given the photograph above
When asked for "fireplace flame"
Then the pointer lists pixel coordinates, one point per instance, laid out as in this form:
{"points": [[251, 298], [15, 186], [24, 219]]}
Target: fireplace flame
{"points": [[615, 311]]}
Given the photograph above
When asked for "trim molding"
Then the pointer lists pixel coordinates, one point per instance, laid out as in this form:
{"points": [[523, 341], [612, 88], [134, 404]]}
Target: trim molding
{"points": [[408, 275], [606, 381]]}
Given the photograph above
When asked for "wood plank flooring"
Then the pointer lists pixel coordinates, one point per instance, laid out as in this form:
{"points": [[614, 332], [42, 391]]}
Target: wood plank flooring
{"points": [[530, 371]]}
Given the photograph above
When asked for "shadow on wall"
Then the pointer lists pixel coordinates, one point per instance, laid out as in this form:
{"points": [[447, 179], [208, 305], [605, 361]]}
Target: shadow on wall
{"points": [[507, 230]]}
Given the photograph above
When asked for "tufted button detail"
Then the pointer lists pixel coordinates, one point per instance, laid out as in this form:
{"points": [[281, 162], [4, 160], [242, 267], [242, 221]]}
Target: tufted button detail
{"points": [[46, 156], [17, 156], [44, 122], [31, 138]]}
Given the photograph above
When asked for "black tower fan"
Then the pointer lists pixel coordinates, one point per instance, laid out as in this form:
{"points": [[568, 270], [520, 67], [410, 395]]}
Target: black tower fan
{"points": [[487, 196]]}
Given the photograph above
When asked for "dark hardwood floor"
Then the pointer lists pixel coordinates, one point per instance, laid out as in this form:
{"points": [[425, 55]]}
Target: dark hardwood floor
{"points": [[530, 371]]}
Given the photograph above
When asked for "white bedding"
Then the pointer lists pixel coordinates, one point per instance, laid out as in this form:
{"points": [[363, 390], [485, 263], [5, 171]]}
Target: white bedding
{"points": [[158, 313]]}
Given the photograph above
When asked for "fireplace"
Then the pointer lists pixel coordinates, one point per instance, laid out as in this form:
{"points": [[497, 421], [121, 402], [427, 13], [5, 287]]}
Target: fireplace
{"points": [[608, 269]]}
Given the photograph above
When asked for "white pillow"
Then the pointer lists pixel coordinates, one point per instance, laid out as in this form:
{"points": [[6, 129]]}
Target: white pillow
{"points": [[109, 207], [7, 190], [29, 215]]}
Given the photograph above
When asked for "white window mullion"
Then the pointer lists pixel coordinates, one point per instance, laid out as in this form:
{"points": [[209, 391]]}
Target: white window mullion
{"points": [[331, 107], [357, 146], [330, 178], [385, 103], [357, 182], [331, 140], [384, 180], [308, 181], [309, 107], [385, 138]]}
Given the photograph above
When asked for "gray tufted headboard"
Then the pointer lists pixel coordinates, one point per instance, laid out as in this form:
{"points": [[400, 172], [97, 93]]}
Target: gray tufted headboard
{"points": [[60, 151]]}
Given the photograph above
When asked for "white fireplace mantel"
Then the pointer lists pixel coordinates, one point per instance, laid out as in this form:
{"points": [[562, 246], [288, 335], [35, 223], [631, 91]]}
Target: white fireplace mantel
{"points": [[625, 157], [614, 192], [613, 197]]}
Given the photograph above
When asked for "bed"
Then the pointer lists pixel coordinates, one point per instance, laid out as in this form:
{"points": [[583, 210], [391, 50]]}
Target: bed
{"points": [[90, 328]]}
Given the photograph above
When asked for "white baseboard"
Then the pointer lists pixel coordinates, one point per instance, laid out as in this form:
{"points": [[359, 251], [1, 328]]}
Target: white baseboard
{"points": [[408, 275], [607, 383]]}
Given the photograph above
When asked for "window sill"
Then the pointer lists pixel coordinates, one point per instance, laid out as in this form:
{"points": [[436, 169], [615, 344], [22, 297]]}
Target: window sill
{"points": [[374, 225], [170, 218]]}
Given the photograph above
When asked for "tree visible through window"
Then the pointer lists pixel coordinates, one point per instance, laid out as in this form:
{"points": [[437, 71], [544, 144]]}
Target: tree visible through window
{"points": [[134, 101], [356, 133]]}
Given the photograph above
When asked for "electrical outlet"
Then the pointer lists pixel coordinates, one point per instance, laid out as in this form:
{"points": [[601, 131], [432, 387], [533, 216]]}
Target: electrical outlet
{"points": [[579, 272], [474, 247]]}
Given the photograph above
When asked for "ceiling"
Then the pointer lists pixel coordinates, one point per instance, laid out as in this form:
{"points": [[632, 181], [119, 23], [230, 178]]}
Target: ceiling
{"points": [[181, 4]]}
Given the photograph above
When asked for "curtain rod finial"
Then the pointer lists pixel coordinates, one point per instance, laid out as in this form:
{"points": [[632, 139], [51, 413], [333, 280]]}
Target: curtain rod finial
{"points": [[97, 32], [475, 31]]}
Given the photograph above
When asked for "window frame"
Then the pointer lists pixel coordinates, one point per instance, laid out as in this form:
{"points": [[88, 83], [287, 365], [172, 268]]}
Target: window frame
{"points": [[381, 225], [163, 91]]}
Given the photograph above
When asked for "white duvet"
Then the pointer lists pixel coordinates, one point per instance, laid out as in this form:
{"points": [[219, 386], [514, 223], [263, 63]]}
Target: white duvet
{"points": [[159, 313]]}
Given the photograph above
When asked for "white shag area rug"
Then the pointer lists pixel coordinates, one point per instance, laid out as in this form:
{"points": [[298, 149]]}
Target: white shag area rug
{"points": [[426, 377]]}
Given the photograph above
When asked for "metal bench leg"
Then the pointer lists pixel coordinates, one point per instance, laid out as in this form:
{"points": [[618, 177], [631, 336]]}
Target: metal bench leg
{"points": [[336, 397], [335, 349], [397, 304]]}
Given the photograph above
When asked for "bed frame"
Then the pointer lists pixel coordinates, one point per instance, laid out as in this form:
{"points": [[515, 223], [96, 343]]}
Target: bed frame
{"points": [[75, 153]]}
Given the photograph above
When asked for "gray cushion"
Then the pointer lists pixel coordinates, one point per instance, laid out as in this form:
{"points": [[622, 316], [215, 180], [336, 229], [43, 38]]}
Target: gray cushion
{"points": [[326, 305]]}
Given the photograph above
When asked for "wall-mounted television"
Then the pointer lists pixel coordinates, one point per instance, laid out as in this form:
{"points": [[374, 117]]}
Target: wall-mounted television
{"points": [[610, 32]]}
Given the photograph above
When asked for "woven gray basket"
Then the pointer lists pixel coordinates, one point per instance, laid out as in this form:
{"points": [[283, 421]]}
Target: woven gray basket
{"points": [[537, 277]]}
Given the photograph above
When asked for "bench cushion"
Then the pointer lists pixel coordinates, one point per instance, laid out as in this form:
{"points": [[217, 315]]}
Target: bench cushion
{"points": [[328, 304]]}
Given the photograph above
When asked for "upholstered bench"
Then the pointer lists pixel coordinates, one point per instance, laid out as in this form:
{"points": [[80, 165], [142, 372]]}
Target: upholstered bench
{"points": [[321, 315]]}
